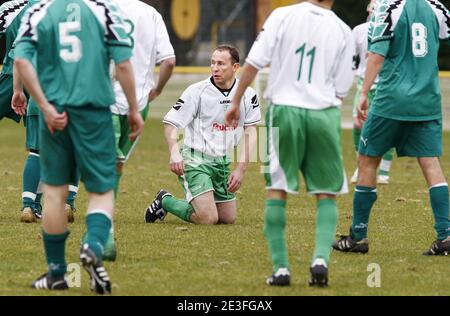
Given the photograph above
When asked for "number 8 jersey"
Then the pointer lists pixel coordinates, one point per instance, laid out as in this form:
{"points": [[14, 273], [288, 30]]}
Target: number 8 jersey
{"points": [[407, 34], [310, 51]]}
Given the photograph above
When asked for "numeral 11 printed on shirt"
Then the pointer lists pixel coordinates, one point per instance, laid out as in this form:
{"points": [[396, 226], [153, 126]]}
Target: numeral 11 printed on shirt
{"points": [[311, 54]]}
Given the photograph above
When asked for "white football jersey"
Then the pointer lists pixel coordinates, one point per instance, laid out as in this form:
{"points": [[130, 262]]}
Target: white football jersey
{"points": [[361, 36], [151, 45], [310, 52], [201, 112]]}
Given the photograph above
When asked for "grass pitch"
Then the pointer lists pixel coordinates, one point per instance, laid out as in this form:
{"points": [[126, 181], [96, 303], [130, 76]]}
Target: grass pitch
{"points": [[177, 258]]}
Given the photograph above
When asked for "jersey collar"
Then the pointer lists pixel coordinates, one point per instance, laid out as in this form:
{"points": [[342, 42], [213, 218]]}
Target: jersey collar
{"points": [[225, 92]]}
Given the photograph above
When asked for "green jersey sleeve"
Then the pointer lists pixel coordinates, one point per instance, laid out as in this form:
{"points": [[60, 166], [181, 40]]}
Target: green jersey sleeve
{"points": [[383, 22], [26, 42], [443, 16], [8, 12], [25, 50], [118, 41]]}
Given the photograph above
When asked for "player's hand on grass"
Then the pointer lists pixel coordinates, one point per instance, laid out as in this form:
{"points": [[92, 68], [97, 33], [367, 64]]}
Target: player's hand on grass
{"points": [[232, 116], [176, 163], [136, 124], [54, 119], [19, 103], [363, 108], [235, 180]]}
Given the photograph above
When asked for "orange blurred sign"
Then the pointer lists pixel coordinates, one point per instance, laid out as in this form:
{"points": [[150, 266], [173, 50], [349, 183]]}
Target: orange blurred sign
{"points": [[185, 18]]}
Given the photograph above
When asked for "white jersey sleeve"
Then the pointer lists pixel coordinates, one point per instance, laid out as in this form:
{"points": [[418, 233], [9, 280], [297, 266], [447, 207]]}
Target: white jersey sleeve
{"points": [[151, 46], [164, 48], [252, 108], [186, 108], [343, 78], [262, 50], [356, 58]]}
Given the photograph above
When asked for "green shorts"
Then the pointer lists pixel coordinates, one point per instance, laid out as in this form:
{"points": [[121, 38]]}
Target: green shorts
{"points": [[6, 94], [124, 146], [410, 139], [204, 174], [305, 140], [32, 132], [358, 95], [87, 143]]}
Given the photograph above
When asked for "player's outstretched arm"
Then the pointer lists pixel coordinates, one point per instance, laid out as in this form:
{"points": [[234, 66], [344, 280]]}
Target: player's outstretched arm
{"points": [[165, 72], [19, 100], [374, 64], [125, 76], [248, 143], [248, 75], [175, 158], [54, 120]]}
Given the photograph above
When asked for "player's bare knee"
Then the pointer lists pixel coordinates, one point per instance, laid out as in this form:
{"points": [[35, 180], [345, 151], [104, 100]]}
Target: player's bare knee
{"points": [[228, 217], [228, 220], [366, 161], [429, 163], [207, 219]]}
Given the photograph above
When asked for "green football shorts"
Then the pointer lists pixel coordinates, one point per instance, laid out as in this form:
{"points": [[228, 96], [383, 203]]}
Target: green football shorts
{"points": [[124, 146], [6, 94], [203, 173], [87, 143], [410, 139], [32, 132], [305, 140]]}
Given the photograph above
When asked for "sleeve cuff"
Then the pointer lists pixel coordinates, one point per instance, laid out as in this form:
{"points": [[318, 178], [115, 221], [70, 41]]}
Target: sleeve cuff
{"points": [[378, 51], [176, 125], [246, 124], [160, 60], [254, 64]]}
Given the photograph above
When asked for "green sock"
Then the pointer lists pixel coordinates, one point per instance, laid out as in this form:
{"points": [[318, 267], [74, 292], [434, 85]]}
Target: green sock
{"points": [[73, 190], [31, 177], [439, 202], [179, 208], [363, 201], [37, 201], [98, 227], [356, 138], [274, 230], [55, 246], [116, 187], [326, 222], [386, 162]]}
